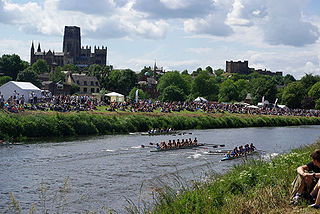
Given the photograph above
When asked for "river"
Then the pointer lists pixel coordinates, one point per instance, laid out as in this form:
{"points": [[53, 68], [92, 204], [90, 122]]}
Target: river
{"points": [[107, 170]]}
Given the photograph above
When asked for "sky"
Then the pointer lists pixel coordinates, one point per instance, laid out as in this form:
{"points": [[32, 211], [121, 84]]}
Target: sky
{"points": [[277, 35]]}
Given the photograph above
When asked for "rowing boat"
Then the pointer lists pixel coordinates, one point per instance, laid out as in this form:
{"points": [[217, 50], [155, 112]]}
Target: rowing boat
{"points": [[186, 147], [231, 158]]}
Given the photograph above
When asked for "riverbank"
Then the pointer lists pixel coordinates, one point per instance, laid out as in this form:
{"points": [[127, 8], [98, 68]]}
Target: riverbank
{"points": [[18, 127], [255, 187]]}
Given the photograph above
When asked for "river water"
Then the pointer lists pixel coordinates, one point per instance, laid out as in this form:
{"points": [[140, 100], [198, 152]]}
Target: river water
{"points": [[108, 170]]}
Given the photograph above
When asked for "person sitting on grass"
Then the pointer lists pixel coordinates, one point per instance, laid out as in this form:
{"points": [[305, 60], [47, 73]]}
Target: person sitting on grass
{"points": [[307, 183]]}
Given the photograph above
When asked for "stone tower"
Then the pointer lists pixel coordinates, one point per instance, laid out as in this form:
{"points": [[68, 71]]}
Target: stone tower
{"points": [[72, 42]]}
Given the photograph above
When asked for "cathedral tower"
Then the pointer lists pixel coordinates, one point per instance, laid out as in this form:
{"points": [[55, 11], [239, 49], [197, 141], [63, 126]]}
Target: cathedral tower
{"points": [[72, 41]]}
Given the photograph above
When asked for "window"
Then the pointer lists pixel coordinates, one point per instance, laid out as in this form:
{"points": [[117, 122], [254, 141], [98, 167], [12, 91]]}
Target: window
{"points": [[97, 90], [85, 82], [92, 90], [78, 82], [84, 89], [92, 83], [97, 83]]}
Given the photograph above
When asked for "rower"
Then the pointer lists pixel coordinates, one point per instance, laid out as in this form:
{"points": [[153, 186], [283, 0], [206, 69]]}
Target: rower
{"points": [[190, 142], [252, 147], [174, 144], [195, 141]]}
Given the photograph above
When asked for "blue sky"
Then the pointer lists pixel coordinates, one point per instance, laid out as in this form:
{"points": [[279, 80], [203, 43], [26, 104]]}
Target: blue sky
{"points": [[277, 35]]}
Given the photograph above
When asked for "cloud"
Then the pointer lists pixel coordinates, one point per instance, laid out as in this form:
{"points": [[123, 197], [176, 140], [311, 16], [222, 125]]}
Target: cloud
{"points": [[281, 22], [167, 9], [94, 7], [285, 25]]}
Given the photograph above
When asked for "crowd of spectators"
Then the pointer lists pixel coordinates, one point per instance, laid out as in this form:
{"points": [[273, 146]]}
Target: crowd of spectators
{"points": [[68, 103], [62, 103]]}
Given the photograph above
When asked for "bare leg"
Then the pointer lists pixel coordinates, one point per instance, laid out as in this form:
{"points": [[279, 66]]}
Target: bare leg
{"points": [[316, 192]]}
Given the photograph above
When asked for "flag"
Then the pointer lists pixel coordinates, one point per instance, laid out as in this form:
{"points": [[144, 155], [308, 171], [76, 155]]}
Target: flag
{"points": [[262, 100], [275, 102], [137, 95]]}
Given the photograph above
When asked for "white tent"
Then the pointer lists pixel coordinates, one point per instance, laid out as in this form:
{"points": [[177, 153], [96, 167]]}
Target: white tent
{"points": [[115, 97], [25, 88], [200, 99]]}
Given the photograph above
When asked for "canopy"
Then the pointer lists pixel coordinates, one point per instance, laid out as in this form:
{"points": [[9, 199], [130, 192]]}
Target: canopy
{"points": [[115, 97], [114, 94], [200, 99]]}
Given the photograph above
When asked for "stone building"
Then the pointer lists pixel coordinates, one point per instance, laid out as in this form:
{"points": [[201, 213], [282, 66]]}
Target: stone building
{"points": [[243, 68], [72, 53], [87, 84]]}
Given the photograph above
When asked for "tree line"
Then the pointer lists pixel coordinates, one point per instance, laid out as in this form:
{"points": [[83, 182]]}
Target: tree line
{"points": [[214, 85]]}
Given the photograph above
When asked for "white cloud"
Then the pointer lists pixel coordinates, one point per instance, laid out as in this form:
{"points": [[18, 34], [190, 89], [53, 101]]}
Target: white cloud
{"points": [[165, 9]]}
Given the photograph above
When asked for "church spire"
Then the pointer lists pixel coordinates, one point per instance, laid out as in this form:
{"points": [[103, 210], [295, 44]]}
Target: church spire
{"points": [[32, 47], [39, 49]]}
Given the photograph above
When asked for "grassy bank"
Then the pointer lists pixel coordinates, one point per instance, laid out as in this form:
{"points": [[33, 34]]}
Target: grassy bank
{"points": [[255, 187], [19, 127]]}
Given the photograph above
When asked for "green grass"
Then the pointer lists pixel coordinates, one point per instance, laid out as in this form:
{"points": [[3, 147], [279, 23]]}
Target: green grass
{"points": [[254, 187], [17, 127]]}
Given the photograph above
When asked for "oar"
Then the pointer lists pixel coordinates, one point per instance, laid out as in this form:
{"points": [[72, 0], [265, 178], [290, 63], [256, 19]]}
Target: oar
{"points": [[143, 146]]}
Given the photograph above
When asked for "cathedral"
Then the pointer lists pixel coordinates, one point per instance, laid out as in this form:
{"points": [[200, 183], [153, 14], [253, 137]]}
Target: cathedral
{"points": [[72, 53]]}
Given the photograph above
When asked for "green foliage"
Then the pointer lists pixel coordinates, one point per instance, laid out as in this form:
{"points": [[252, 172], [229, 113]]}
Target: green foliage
{"points": [[173, 78], [315, 91], [57, 76], [18, 127], [317, 102], [288, 79], [253, 187], [122, 81], [263, 86], [141, 94], [228, 91], [11, 65], [69, 67], [29, 75], [242, 88], [40, 66], [4, 80], [172, 93], [308, 81], [204, 85], [74, 88], [293, 95], [218, 72]]}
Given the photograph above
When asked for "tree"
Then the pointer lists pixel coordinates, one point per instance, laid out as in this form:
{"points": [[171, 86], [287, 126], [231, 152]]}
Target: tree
{"points": [[11, 65], [261, 87], [315, 91], [218, 72], [204, 85], [308, 81], [74, 88], [69, 67], [57, 76], [293, 95], [288, 79], [228, 91], [243, 89], [209, 69], [141, 94], [4, 80], [40, 66], [172, 93], [173, 78], [122, 81], [29, 75]]}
